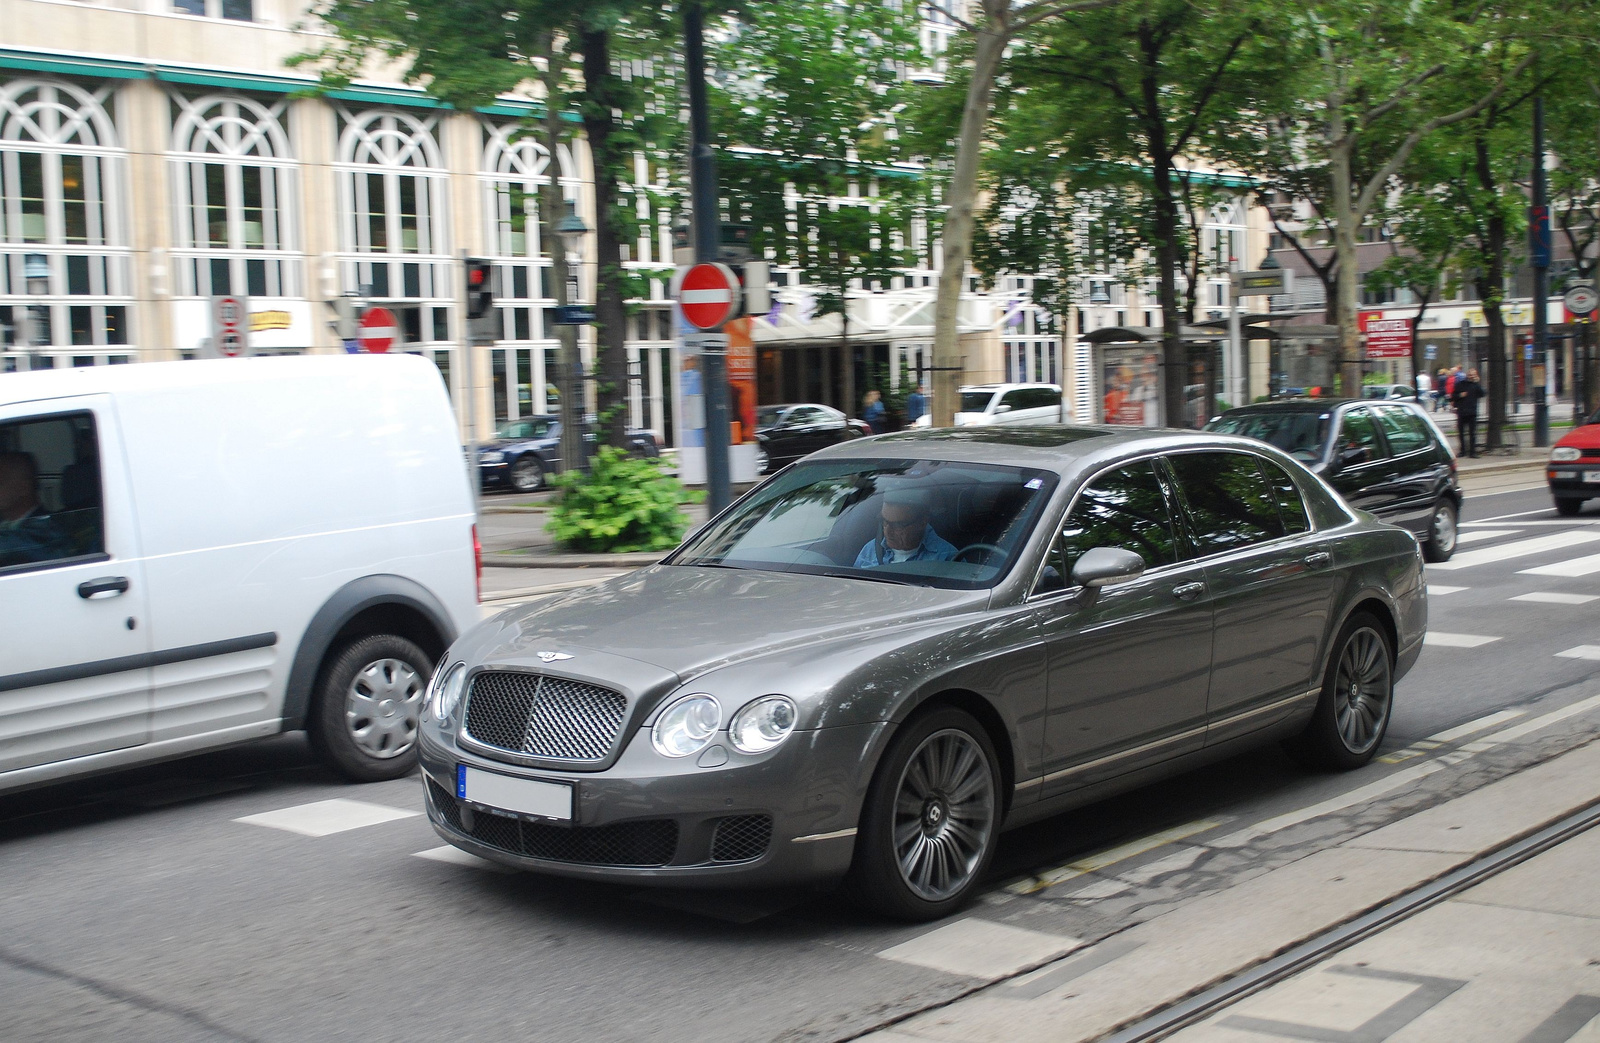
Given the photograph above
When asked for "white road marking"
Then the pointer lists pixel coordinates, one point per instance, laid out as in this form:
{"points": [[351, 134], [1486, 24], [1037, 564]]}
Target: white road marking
{"points": [[1552, 523], [1503, 517], [1546, 597], [981, 949], [1404, 777], [1051, 877], [1581, 652], [1518, 549], [1478, 535], [1439, 639], [1439, 589], [324, 817], [1517, 731], [457, 857], [1461, 731], [1571, 568]]}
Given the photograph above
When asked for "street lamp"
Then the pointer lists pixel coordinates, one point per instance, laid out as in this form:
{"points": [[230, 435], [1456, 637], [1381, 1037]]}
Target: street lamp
{"points": [[572, 230], [36, 272]]}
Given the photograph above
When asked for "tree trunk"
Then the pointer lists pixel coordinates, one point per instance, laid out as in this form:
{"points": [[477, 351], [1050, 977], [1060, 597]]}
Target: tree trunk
{"points": [[959, 201], [610, 312], [1491, 291], [551, 209], [1174, 360], [1348, 277]]}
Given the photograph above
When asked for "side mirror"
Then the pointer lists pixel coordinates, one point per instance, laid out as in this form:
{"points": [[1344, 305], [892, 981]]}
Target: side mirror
{"points": [[1352, 454], [1002, 408], [1103, 566]]}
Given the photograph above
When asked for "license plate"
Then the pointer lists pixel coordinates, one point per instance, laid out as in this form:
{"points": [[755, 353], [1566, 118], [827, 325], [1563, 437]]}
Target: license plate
{"points": [[510, 793], [1591, 476]]}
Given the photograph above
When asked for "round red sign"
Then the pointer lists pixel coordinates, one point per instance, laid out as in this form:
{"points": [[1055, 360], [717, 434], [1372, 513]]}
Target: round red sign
{"points": [[378, 331], [709, 296]]}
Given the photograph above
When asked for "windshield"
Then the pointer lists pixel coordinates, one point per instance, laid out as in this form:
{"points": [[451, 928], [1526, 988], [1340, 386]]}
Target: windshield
{"points": [[975, 401], [1300, 434], [515, 429], [924, 522]]}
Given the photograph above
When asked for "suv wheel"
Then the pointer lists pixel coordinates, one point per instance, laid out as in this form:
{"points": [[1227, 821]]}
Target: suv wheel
{"points": [[1441, 541]]}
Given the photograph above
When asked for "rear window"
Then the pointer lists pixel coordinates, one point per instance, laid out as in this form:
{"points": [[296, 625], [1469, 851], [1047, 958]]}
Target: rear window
{"points": [[1301, 434], [1229, 502]]}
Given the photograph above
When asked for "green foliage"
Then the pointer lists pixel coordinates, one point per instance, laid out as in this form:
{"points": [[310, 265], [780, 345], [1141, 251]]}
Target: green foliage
{"points": [[622, 504]]}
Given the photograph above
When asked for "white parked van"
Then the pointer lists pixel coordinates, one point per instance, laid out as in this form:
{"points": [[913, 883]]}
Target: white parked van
{"points": [[1008, 404], [194, 554]]}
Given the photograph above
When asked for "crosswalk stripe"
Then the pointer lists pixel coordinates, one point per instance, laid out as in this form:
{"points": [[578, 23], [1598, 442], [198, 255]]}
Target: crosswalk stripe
{"points": [[1550, 597], [1571, 568], [1581, 652], [324, 817], [1517, 549], [1479, 535], [457, 857], [1443, 640], [1440, 588]]}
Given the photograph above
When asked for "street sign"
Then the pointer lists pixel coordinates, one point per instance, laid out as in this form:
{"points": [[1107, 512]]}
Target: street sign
{"points": [[1388, 338], [378, 331], [1430, 351], [708, 296], [1264, 283], [574, 315], [230, 325], [698, 343], [1582, 299]]}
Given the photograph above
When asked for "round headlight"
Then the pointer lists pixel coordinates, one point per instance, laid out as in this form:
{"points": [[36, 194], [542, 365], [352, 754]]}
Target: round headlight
{"points": [[762, 725], [1562, 454], [447, 692], [686, 726]]}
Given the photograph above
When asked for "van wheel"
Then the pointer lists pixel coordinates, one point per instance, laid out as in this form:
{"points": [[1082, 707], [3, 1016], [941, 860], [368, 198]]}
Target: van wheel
{"points": [[527, 474], [369, 703]]}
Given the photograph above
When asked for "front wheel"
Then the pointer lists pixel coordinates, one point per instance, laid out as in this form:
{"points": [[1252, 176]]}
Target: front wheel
{"points": [[1441, 541], [368, 705], [527, 474], [1568, 506], [1357, 699], [931, 819]]}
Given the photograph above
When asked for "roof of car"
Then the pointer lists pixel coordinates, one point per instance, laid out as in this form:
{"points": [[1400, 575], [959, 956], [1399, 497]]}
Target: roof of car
{"points": [[1009, 387], [1298, 405]]}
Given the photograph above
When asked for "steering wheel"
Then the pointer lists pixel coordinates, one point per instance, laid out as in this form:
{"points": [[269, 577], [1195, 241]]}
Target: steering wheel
{"points": [[987, 548]]}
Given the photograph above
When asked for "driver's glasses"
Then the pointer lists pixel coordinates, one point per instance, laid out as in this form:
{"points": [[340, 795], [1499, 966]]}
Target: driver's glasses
{"points": [[901, 524]]}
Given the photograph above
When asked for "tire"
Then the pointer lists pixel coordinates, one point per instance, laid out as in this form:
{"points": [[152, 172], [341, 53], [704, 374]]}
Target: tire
{"points": [[1441, 541], [1343, 734], [1568, 506], [938, 787], [368, 704], [762, 461], [527, 474]]}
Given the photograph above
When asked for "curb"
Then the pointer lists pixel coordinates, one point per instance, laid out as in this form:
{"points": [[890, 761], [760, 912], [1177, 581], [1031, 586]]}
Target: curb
{"points": [[496, 508], [1505, 468]]}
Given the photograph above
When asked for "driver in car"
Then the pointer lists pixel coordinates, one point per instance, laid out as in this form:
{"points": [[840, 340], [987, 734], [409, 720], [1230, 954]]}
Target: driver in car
{"points": [[906, 534]]}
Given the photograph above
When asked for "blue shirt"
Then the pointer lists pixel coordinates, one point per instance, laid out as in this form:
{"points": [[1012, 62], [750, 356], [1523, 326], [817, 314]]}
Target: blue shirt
{"points": [[932, 548], [916, 405]]}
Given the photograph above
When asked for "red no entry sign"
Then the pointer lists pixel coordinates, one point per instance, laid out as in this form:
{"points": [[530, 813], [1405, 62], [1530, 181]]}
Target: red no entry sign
{"points": [[378, 330], [708, 295]]}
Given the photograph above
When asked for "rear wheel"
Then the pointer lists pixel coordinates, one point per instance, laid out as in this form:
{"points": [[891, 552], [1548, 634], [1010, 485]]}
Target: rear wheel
{"points": [[1567, 506], [527, 474], [368, 705], [931, 819], [1441, 542], [1357, 699]]}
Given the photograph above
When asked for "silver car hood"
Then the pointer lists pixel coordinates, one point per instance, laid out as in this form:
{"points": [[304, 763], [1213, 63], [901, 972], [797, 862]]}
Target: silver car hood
{"points": [[689, 619]]}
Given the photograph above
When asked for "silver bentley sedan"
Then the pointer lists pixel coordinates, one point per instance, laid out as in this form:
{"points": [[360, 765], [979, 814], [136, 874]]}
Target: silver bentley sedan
{"points": [[887, 653]]}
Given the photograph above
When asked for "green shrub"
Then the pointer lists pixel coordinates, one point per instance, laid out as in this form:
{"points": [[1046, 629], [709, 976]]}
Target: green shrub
{"points": [[621, 504]]}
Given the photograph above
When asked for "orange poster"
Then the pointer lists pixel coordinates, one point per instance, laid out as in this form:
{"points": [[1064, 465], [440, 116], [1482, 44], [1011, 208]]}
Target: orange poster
{"points": [[741, 382]]}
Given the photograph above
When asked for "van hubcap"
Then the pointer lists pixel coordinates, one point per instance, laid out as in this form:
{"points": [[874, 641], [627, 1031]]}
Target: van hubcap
{"points": [[383, 706]]}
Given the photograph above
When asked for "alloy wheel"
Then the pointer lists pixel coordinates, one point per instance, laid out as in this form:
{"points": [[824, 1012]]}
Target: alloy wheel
{"points": [[1362, 691], [1444, 529], [383, 706], [944, 814]]}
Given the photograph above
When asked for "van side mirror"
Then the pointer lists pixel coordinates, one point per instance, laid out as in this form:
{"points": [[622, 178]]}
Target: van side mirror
{"points": [[1002, 408], [1104, 566]]}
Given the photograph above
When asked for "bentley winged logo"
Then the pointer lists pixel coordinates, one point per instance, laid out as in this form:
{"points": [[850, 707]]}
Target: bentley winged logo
{"points": [[552, 657]]}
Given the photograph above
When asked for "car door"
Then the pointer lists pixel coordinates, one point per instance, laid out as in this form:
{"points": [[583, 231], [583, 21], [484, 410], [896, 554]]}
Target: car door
{"points": [[1270, 579], [1360, 467], [1012, 407], [1420, 465], [75, 676], [1129, 664]]}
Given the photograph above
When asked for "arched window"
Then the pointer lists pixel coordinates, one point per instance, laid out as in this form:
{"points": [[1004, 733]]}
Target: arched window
{"points": [[62, 169], [234, 188], [393, 188]]}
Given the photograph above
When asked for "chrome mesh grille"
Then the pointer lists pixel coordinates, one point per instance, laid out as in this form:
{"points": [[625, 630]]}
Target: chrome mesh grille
{"points": [[543, 716], [740, 838]]}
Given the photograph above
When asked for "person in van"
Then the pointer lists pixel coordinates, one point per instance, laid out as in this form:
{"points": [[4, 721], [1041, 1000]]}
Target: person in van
{"points": [[27, 532]]}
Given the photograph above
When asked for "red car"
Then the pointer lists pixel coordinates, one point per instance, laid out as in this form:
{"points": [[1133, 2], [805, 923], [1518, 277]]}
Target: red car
{"points": [[1574, 468]]}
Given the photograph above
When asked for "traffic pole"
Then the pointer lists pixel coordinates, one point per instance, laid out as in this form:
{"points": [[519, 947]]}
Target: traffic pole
{"points": [[707, 241], [474, 474], [1540, 232]]}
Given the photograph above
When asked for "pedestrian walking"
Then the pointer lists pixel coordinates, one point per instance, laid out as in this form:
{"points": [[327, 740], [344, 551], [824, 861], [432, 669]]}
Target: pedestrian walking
{"points": [[916, 405], [874, 413], [1466, 394], [1424, 387], [1441, 395]]}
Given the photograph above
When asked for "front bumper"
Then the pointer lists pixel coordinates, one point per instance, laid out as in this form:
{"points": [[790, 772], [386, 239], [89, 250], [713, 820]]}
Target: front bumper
{"points": [[1580, 478], [784, 818]]}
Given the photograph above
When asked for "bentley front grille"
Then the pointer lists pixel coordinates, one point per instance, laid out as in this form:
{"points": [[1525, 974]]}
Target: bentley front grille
{"points": [[542, 716]]}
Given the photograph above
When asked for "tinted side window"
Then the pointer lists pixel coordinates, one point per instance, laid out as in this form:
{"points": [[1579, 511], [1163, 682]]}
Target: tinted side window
{"points": [[1123, 508], [1405, 431], [1359, 432], [1291, 508], [50, 505], [1041, 398], [1016, 399], [1230, 504]]}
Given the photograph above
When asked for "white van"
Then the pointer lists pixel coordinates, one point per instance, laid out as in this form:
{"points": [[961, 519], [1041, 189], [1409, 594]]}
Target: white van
{"points": [[1008, 404], [194, 554]]}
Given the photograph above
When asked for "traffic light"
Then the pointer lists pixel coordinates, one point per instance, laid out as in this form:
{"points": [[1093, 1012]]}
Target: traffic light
{"points": [[480, 287]]}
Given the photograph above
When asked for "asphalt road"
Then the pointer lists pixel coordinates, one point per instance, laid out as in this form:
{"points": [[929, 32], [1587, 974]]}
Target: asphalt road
{"points": [[225, 898]]}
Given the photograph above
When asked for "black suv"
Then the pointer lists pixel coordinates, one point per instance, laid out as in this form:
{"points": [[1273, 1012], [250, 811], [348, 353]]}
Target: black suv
{"points": [[1386, 458]]}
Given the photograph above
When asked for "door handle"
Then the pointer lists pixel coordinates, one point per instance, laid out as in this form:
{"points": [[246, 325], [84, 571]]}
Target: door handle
{"points": [[1188, 591], [105, 586], [1319, 560]]}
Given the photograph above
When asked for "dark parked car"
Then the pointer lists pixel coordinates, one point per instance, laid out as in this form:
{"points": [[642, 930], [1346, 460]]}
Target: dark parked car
{"points": [[786, 433], [526, 450], [1384, 457], [874, 662]]}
